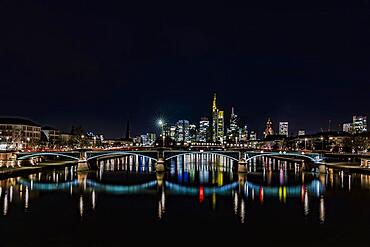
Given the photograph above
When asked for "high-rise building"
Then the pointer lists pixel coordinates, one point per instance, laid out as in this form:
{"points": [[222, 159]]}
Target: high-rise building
{"points": [[148, 139], [253, 136], [243, 134], [269, 128], [173, 132], [347, 127], [217, 122], [193, 133], [233, 130], [284, 128], [359, 124], [203, 129], [301, 132], [220, 126], [151, 138], [182, 131]]}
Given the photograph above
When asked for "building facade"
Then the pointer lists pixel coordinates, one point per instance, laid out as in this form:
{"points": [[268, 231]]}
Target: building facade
{"points": [[217, 122], [233, 130], [182, 131], [17, 133], [284, 129], [359, 124], [203, 129]]}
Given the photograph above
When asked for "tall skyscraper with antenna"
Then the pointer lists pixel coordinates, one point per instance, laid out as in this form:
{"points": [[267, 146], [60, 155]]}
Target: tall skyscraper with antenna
{"points": [[217, 122]]}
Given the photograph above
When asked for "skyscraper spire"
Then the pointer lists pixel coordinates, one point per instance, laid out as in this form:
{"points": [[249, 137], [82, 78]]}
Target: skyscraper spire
{"points": [[214, 103]]}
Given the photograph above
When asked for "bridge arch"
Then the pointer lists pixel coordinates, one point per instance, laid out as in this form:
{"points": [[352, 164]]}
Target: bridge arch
{"points": [[46, 154], [215, 153], [118, 153], [251, 157]]}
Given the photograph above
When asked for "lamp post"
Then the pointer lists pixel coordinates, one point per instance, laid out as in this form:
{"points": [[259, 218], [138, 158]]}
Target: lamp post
{"points": [[161, 124], [305, 143], [322, 143], [28, 141]]}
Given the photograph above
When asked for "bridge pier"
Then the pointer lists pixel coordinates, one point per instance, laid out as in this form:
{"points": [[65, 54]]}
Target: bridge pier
{"points": [[242, 166], [160, 166], [322, 169], [82, 166]]}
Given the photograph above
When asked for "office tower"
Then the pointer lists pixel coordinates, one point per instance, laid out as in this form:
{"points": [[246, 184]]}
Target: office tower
{"points": [[182, 131], [347, 127], [233, 130], [193, 133], [359, 124], [243, 134], [173, 132], [253, 136], [284, 128], [301, 132], [203, 129], [217, 122]]}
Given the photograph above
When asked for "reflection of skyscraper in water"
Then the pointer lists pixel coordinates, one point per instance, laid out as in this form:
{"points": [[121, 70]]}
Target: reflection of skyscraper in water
{"points": [[322, 209], [306, 205]]}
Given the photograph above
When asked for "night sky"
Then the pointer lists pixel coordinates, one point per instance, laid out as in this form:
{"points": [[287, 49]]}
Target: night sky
{"points": [[97, 64]]}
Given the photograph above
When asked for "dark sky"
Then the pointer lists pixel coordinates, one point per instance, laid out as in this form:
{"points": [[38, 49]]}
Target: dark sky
{"points": [[96, 64]]}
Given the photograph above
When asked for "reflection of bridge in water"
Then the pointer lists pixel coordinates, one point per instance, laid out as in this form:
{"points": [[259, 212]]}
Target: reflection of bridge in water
{"points": [[315, 187], [286, 191]]}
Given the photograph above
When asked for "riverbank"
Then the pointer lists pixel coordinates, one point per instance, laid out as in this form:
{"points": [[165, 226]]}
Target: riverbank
{"points": [[6, 172], [348, 167], [353, 167]]}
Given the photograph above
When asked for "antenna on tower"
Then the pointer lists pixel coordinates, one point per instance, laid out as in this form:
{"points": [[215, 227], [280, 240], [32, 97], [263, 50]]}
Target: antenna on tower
{"points": [[329, 126]]}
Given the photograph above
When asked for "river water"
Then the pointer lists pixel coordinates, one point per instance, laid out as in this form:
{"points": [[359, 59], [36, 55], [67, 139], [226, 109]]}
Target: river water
{"points": [[198, 200]]}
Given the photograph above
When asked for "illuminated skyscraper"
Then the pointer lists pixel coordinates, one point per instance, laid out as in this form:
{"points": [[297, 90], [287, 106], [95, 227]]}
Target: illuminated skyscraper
{"points": [[253, 136], [214, 119], [284, 128], [347, 127], [217, 122], [269, 128], [359, 124], [233, 130], [193, 132], [243, 134], [203, 129], [182, 131], [220, 126], [301, 132], [173, 132]]}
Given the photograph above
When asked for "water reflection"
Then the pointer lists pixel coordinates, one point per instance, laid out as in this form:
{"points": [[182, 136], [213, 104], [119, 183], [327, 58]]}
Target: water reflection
{"points": [[202, 181]]}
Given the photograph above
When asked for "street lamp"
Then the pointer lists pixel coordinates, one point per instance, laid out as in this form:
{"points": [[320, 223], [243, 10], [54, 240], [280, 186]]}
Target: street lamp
{"points": [[305, 143], [322, 143], [28, 141], [161, 124]]}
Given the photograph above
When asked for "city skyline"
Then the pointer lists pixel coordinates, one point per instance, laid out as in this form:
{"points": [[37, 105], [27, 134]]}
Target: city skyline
{"points": [[229, 124], [105, 64]]}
